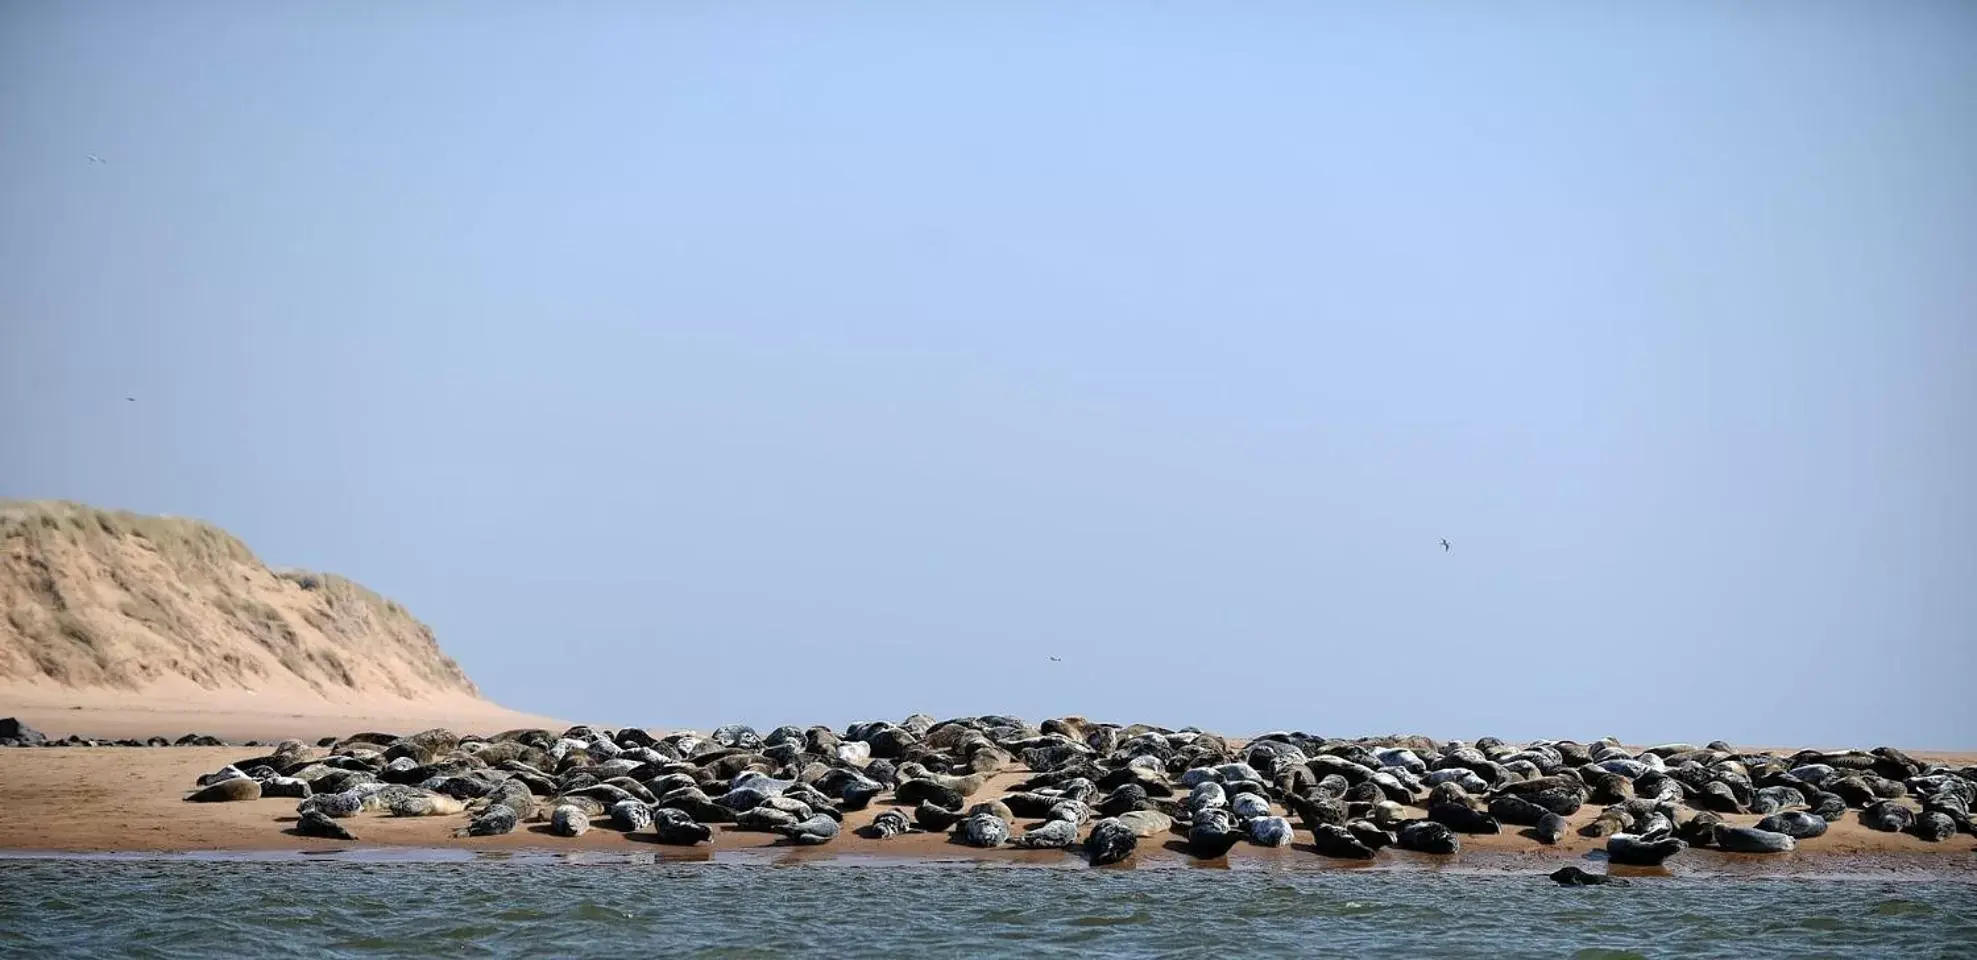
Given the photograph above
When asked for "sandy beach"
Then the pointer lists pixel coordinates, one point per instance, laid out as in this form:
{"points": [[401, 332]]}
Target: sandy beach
{"points": [[238, 716], [115, 799]]}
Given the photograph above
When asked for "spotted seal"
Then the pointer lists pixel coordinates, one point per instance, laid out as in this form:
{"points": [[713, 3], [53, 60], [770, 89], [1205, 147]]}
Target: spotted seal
{"points": [[818, 829], [568, 821], [494, 820], [768, 819], [1146, 823], [982, 829], [422, 804], [1797, 824], [932, 816], [345, 804], [1934, 826], [631, 814], [1052, 834], [887, 825], [1269, 831], [1110, 841]]}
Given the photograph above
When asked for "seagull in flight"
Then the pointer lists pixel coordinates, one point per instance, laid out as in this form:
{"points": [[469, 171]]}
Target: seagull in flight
{"points": [[94, 159], [1056, 659], [1444, 544], [130, 399]]}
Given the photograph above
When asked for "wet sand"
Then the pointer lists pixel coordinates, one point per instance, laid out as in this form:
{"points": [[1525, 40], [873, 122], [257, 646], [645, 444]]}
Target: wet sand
{"points": [[117, 799]]}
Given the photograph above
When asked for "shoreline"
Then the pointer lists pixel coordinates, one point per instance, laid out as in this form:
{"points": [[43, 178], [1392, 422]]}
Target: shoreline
{"points": [[107, 802]]}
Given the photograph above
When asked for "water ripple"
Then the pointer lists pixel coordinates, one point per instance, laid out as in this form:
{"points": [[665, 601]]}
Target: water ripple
{"points": [[547, 906]]}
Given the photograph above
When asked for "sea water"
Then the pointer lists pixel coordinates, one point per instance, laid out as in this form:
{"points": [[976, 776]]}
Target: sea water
{"points": [[550, 906]]}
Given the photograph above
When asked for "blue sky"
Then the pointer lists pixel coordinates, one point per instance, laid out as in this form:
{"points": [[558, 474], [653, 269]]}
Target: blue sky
{"points": [[684, 363]]}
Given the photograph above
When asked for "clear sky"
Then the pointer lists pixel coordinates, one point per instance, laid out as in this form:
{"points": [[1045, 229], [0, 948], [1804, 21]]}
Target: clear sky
{"points": [[694, 362]]}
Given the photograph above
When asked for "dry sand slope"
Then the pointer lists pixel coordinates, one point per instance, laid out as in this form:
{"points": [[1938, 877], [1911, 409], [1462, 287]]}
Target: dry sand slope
{"points": [[116, 625]]}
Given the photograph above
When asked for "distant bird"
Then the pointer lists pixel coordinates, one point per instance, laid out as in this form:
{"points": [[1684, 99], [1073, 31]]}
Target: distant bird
{"points": [[94, 159], [1056, 659], [1444, 544], [130, 399]]}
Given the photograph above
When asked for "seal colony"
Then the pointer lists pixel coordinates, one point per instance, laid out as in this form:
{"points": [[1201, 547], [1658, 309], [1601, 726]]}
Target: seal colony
{"points": [[1101, 790]]}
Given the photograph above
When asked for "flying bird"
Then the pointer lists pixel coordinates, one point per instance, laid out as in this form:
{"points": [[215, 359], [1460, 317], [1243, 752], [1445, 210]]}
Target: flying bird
{"points": [[1444, 544], [96, 159], [131, 399], [1056, 659]]}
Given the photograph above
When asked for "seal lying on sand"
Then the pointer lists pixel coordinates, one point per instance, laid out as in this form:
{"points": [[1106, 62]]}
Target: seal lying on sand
{"points": [[1644, 850], [568, 821], [1748, 840], [1053, 834], [1339, 843], [494, 820], [1213, 832], [1797, 824], [983, 829], [229, 789], [677, 828], [1427, 836], [887, 825], [1110, 842], [315, 823], [819, 829]]}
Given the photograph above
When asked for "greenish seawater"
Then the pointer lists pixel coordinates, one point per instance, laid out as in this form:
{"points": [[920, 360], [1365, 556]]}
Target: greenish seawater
{"points": [[554, 907]]}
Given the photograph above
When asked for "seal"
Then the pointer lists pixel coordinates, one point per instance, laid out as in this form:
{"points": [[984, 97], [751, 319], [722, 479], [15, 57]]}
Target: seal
{"points": [[932, 816], [1427, 836], [817, 830], [887, 825], [631, 814], [676, 827], [982, 829], [1249, 806], [1796, 824], [494, 820], [1934, 826], [1052, 834], [1369, 834], [1213, 832], [422, 804], [1887, 816], [1339, 843], [1463, 818], [1550, 828], [316, 823], [346, 804], [1110, 842], [568, 821], [920, 790], [227, 791], [1643, 850], [1575, 877], [768, 819], [1146, 823], [1269, 831], [1747, 840]]}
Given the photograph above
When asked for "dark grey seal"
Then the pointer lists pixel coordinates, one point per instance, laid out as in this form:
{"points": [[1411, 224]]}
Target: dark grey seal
{"points": [[1645, 850], [1797, 824], [1463, 818], [678, 828], [1550, 828], [1887, 816], [1110, 842], [1369, 834], [1934, 826], [934, 817], [316, 823], [1427, 836], [1339, 843], [1575, 877], [347, 804], [1213, 832]]}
